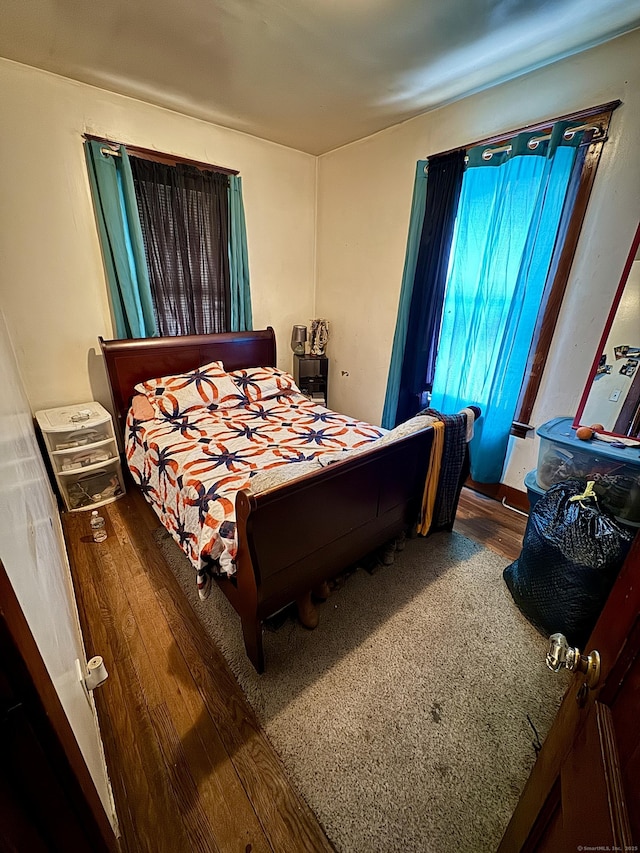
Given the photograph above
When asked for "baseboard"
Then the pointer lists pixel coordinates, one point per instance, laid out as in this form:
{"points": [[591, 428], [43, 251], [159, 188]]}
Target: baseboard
{"points": [[501, 492]]}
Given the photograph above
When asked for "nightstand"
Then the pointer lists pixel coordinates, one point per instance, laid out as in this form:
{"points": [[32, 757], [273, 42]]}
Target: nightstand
{"points": [[311, 373], [83, 453]]}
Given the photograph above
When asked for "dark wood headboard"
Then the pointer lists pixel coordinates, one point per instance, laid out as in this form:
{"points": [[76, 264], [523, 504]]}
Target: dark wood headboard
{"points": [[129, 362]]}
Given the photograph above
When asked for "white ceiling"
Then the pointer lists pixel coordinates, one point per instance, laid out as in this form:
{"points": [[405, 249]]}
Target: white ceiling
{"points": [[310, 74]]}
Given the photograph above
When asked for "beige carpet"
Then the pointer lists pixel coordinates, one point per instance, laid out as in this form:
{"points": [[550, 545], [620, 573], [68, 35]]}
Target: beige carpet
{"points": [[408, 718]]}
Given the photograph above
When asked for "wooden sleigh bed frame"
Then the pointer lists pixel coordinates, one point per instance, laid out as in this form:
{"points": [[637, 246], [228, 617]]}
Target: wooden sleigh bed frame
{"points": [[332, 517]]}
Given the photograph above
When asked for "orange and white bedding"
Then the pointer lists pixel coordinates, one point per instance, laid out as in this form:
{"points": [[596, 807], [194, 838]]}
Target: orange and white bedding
{"points": [[214, 433]]}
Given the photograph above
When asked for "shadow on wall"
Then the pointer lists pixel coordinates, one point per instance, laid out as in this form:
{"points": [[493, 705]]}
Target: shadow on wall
{"points": [[100, 388]]}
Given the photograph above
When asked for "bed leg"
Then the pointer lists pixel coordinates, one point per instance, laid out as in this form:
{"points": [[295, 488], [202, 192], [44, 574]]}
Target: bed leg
{"points": [[252, 633], [307, 613]]}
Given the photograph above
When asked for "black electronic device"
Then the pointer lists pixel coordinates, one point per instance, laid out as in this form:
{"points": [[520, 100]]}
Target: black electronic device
{"points": [[311, 373]]}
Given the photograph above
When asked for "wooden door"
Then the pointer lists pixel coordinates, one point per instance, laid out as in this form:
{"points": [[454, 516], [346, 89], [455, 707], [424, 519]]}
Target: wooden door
{"points": [[48, 800], [584, 790]]}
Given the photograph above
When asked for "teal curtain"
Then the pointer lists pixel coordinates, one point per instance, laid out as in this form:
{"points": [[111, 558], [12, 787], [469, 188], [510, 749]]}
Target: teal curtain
{"points": [[508, 217], [121, 239], [416, 220], [241, 316]]}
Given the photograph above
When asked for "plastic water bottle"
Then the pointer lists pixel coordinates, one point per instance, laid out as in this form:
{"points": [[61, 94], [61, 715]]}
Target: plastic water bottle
{"points": [[97, 527]]}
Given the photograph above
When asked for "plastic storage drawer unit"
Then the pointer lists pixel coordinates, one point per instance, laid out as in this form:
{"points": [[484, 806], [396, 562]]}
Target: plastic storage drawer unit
{"points": [[616, 470], [83, 452]]}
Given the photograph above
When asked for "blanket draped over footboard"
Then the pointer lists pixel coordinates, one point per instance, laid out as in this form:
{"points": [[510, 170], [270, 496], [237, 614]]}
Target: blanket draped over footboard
{"points": [[449, 466]]}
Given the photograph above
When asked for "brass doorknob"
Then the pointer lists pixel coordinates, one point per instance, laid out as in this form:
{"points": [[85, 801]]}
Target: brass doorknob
{"points": [[563, 656]]}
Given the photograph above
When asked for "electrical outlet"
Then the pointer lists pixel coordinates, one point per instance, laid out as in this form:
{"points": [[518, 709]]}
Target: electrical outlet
{"points": [[615, 395]]}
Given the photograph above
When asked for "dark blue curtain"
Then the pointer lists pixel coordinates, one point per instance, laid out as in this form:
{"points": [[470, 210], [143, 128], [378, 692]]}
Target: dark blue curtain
{"points": [[425, 314]]}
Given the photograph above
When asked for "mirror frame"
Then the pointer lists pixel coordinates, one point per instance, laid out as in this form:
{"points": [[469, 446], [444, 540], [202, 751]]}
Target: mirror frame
{"points": [[605, 334]]}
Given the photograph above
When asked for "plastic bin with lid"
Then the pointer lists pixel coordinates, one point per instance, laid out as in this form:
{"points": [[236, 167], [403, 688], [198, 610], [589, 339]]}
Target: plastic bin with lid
{"points": [[616, 470]]}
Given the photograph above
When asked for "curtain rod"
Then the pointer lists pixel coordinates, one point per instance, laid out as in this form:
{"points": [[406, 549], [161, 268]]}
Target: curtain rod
{"points": [[581, 115], [533, 143], [157, 156], [569, 133]]}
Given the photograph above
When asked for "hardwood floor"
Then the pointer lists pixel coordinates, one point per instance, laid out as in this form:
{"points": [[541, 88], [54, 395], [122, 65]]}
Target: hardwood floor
{"points": [[189, 765], [489, 522]]}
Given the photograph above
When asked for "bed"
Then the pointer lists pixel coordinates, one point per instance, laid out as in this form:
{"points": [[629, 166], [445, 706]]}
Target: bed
{"points": [[356, 489]]}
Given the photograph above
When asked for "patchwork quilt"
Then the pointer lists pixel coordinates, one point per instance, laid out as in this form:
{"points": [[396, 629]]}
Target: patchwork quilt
{"points": [[212, 433]]}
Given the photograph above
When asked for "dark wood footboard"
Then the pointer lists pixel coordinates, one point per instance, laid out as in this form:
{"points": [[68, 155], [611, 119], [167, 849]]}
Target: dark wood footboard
{"points": [[299, 534]]}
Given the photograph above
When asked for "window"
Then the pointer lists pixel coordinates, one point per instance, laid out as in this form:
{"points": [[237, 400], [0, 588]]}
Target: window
{"points": [[478, 309], [173, 242], [598, 119]]}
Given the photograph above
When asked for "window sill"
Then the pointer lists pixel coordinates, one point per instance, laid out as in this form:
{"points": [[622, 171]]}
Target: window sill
{"points": [[520, 430]]}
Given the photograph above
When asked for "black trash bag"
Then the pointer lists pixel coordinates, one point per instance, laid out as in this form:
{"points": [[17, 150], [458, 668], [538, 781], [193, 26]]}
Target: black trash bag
{"points": [[571, 555]]}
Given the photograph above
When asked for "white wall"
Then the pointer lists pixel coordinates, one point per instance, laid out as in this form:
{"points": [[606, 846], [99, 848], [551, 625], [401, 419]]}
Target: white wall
{"points": [[364, 199], [53, 290]]}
